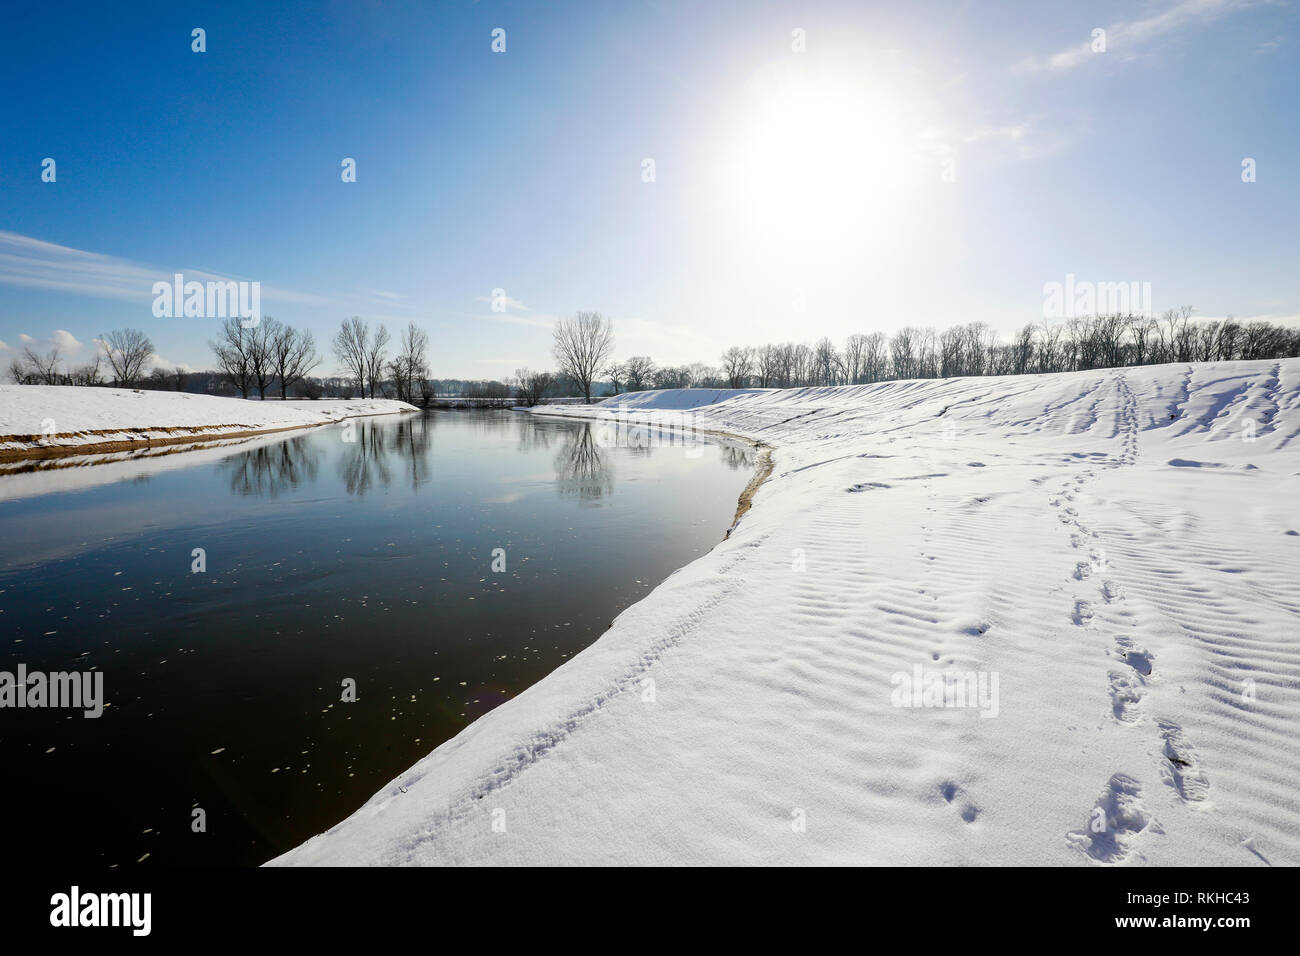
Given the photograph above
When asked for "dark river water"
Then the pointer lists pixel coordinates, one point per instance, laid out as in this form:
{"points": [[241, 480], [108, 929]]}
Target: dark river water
{"points": [[343, 554]]}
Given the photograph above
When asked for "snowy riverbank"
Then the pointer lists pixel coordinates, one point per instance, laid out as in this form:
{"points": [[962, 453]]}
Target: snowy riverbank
{"points": [[1106, 561], [39, 420]]}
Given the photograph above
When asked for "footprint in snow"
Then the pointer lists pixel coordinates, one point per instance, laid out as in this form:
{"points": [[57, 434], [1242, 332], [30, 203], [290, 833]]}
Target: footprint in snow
{"points": [[1082, 613], [1115, 824]]}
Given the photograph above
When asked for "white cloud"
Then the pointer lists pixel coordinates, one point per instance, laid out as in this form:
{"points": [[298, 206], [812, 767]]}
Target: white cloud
{"points": [[65, 341], [1030, 138], [167, 365], [62, 339], [1126, 38]]}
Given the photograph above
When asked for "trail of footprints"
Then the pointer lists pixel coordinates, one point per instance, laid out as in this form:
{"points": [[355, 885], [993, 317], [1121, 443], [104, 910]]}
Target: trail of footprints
{"points": [[1119, 816]]}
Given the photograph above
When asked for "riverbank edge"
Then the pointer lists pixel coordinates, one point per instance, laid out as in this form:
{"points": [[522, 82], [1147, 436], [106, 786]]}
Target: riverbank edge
{"points": [[197, 436], [764, 465]]}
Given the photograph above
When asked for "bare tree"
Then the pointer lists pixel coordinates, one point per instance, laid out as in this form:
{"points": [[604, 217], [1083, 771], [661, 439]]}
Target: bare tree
{"points": [[410, 367], [875, 357], [128, 350], [260, 358], [680, 376], [352, 345], [617, 374], [638, 372], [233, 348], [293, 355], [738, 365], [375, 359], [854, 351], [582, 344], [20, 373], [88, 374], [902, 350], [827, 363], [44, 369], [533, 386]]}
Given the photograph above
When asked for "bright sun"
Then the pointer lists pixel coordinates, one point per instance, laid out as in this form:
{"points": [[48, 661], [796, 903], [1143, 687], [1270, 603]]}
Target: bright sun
{"points": [[815, 163]]}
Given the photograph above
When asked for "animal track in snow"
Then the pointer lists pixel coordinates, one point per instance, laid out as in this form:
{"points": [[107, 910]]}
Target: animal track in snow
{"points": [[950, 790]]}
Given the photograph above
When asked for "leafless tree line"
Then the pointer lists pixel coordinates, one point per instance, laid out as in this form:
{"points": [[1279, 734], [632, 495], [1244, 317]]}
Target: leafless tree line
{"points": [[363, 352], [531, 387], [125, 351], [273, 354], [1090, 342], [261, 355]]}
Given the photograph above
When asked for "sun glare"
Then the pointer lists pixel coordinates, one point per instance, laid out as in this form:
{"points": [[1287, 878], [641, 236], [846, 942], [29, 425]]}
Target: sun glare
{"points": [[815, 163]]}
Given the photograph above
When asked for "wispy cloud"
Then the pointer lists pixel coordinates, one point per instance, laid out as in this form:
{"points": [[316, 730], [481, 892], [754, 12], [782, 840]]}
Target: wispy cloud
{"points": [[506, 301], [1127, 39], [1032, 137], [37, 264]]}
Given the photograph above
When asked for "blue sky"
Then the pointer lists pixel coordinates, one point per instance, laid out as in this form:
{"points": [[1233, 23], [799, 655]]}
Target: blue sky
{"points": [[796, 194]]}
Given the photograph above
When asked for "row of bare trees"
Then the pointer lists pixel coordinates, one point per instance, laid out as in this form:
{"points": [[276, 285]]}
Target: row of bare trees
{"points": [[270, 354], [363, 352], [263, 354], [126, 352], [531, 387], [1091, 342]]}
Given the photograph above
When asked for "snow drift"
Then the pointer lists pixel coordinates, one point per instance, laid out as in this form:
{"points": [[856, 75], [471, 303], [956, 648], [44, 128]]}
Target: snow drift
{"points": [[1112, 553], [36, 418], [674, 399]]}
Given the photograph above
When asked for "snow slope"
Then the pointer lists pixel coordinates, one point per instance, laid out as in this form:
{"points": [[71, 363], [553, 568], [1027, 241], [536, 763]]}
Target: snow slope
{"points": [[1117, 548], [43, 416], [672, 398]]}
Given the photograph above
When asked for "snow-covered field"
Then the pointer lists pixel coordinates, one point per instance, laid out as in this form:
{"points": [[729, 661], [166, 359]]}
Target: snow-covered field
{"points": [[1109, 559], [41, 417]]}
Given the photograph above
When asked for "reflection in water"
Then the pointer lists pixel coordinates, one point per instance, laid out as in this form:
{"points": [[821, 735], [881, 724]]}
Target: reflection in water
{"points": [[372, 451], [531, 436], [414, 441], [365, 461], [738, 457], [580, 469], [271, 469]]}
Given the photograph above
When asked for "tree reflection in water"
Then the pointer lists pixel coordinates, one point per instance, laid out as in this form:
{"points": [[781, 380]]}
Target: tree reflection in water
{"points": [[738, 457], [533, 434], [383, 448], [365, 461], [581, 471], [271, 469], [414, 441]]}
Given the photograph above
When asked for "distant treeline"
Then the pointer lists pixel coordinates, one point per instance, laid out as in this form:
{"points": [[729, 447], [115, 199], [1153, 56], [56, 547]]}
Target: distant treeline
{"points": [[1090, 342], [273, 359]]}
